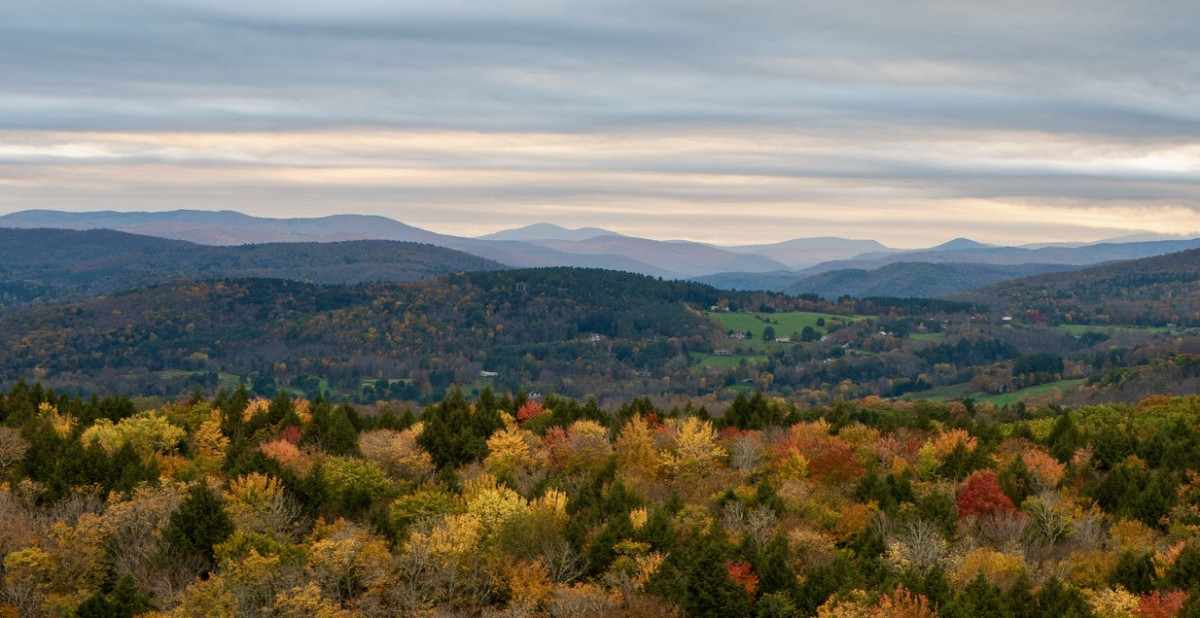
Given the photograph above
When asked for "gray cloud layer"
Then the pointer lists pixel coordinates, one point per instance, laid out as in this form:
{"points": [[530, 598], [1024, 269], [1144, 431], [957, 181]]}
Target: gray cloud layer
{"points": [[1011, 107]]}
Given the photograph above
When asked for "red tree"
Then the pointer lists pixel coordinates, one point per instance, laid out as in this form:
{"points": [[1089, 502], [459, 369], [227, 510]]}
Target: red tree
{"points": [[981, 496], [1160, 605], [743, 575], [530, 410]]}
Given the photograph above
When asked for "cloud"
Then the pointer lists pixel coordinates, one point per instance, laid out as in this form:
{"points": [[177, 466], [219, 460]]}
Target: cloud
{"points": [[903, 186], [835, 114]]}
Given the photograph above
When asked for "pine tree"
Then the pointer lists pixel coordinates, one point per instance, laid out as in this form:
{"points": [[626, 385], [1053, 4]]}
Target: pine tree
{"points": [[1020, 598], [1135, 572], [982, 598], [199, 523], [125, 600], [332, 429], [774, 568], [1184, 573], [1055, 599]]}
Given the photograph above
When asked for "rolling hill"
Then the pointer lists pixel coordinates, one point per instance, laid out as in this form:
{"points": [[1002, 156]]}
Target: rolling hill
{"points": [[56, 264], [899, 279], [226, 227], [962, 251], [805, 252], [680, 259], [555, 327], [914, 279], [543, 245], [1158, 290]]}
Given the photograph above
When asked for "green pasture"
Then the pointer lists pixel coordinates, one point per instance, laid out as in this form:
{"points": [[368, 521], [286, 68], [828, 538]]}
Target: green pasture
{"points": [[724, 362], [941, 393], [228, 380], [1079, 329], [960, 391], [785, 324], [1007, 399]]}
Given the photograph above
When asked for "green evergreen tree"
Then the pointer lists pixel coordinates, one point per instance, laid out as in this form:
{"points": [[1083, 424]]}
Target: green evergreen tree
{"points": [[1184, 573], [1019, 598], [659, 530], [1135, 572], [982, 598], [708, 591], [824, 581], [774, 568], [199, 523], [125, 600], [1055, 599], [1017, 481], [602, 551], [774, 605], [332, 429], [1111, 446], [1065, 438]]}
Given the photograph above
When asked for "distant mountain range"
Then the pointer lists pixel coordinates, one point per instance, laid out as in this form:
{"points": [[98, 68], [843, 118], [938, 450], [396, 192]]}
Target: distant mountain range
{"points": [[55, 264], [795, 266]]}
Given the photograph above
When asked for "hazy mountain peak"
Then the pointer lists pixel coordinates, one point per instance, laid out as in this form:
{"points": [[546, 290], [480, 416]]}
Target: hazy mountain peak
{"points": [[547, 231], [1144, 237], [225, 227], [959, 244]]}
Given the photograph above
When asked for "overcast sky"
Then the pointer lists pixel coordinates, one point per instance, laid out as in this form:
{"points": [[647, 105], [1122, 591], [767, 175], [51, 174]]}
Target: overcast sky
{"points": [[908, 121]]}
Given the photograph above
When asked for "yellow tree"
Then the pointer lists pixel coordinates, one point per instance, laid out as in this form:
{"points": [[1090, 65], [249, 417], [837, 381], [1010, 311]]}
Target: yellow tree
{"points": [[694, 451], [210, 444], [206, 597], [634, 447], [12, 448], [397, 452], [258, 502], [148, 433], [347, 561], [510, 449]]}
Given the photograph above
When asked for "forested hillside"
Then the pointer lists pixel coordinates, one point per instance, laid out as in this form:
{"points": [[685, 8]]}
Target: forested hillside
{"points": [[48, 264], [529, 326], [921, 279], [1156, 291], [510, 506], [581, 332]]}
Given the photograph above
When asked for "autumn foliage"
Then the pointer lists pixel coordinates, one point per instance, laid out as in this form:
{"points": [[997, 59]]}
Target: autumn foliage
{"points": [[981, 496], [1160, 604], [203, 509]]}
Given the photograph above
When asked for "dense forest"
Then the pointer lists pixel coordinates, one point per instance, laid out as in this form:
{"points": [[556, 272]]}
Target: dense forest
{"points": [[576, 442], [1155, 291], [506, 505], [578, 333], [532, 327]]}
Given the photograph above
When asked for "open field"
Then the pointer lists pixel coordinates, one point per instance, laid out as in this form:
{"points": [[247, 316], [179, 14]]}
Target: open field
{"points": [[785, 324], [227, 380], [960, 391], [1006, 399], [941, 393], [1079, 329], [712, 360]]}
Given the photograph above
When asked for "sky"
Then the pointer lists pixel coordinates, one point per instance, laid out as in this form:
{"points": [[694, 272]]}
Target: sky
{"points": [[907, 121]]}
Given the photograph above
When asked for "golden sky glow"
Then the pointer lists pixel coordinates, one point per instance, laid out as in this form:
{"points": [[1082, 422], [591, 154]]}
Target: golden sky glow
{"points": [[1014, 121], [718, 185]]}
